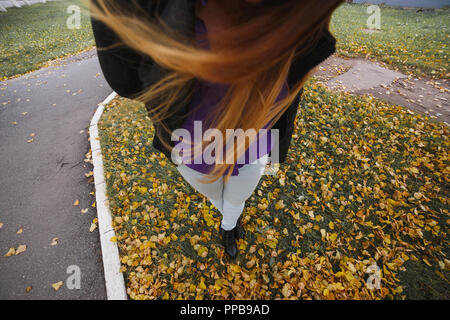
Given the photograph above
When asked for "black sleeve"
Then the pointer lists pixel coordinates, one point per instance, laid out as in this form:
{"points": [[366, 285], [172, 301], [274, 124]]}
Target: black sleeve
{"points": [[325, 47], [119, 64]]}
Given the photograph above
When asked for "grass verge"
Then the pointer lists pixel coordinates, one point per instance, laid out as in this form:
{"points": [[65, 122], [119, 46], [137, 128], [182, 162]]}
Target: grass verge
{"points": [[33, 35], [366, 183]]}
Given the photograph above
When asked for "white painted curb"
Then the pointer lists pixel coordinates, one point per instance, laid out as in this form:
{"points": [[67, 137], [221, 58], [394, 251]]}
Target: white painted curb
{"points": [[115, 284]]}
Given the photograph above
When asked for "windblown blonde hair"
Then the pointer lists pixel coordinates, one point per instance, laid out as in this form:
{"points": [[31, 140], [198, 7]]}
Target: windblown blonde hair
{"points": [[252, 57]]}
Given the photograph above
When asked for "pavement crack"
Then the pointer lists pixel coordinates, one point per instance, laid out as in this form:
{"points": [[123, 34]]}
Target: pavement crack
{"points": [[71, 165]]}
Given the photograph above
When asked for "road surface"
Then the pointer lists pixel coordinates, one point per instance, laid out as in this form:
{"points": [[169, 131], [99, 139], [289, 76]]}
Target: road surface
{"points": [[44, 119]]}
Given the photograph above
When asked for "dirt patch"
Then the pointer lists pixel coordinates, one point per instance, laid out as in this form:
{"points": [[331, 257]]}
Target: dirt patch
{"points": [[425, 96]]}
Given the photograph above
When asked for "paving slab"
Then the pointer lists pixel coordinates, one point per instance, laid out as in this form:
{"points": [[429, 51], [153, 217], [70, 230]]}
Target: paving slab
{"points": [[365, 75], [430, 97]]}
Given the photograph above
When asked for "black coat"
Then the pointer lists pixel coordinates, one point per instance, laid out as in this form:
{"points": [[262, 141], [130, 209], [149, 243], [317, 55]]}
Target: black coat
{"points": [[129, 73]]}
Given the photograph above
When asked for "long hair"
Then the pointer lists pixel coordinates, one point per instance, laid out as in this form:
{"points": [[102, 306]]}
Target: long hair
{"points": [[252, 56]]}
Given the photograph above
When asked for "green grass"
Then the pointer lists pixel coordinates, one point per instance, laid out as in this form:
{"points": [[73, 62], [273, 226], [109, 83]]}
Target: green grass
{"points": [[413, 42], [33, 35], [365, 182]]}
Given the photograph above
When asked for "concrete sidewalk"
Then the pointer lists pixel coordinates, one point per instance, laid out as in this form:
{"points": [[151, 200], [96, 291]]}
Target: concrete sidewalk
{"points": [[9, 4], [44, 117]]}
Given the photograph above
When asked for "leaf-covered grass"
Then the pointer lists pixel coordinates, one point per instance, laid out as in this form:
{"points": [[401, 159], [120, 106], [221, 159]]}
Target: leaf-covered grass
{"points": [[365, 183], [33, 35], [417, 42]]}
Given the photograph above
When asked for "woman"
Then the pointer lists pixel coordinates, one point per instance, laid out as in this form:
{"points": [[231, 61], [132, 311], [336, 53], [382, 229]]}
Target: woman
{"points": [[216, 66]]}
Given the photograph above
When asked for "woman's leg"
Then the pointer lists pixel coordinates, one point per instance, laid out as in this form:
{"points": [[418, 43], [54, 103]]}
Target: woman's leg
{"points": [[238, 189], [230, 198], [212, 191]]}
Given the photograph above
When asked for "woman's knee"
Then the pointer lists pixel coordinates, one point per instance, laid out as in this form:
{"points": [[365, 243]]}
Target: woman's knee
{"points": [[213, 191]]}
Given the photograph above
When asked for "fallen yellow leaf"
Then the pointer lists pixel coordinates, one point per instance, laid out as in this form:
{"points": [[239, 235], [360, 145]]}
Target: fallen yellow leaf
{"points": [[427, 262], [333, 237], [279, 205], [21, 248], [11, 252], [57, 285], [287, 290]]}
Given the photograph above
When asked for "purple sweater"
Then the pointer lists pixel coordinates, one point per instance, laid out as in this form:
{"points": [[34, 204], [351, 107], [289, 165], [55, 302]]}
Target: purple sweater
{"points": [[205, 97]]}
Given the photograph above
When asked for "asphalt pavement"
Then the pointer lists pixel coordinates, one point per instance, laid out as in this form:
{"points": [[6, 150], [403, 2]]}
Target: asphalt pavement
{"points": [[44, 120]]}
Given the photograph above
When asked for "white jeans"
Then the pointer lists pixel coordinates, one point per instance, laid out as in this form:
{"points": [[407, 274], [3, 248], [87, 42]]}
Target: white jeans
{"points": [[229, 198]]}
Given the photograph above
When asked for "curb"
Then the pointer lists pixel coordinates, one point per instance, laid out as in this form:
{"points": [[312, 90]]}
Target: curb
{"points": [[115, 283]]}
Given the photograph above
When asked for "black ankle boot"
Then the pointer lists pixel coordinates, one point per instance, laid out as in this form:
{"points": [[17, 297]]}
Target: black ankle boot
{"points": [[229, 242], [239, 230]]}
